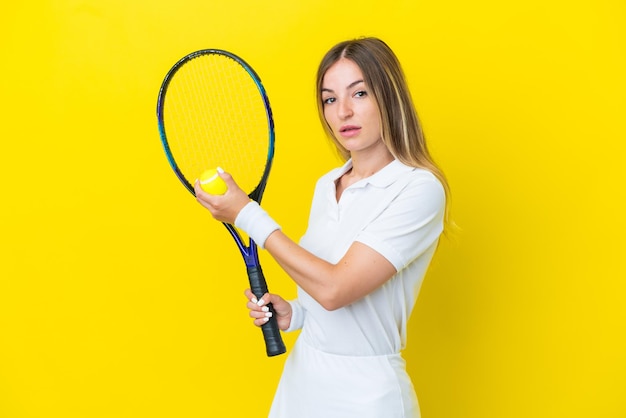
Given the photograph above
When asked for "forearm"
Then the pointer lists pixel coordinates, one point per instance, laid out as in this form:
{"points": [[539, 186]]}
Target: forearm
{"points": [[360, 271], [315, 276]]}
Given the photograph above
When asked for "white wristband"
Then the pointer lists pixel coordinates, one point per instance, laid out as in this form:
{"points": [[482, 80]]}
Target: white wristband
{"points": [[297, 316], [255, 222]]}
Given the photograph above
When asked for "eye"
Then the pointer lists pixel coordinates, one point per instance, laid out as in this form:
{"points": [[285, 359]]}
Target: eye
{"points": [[360, 93], [328, 100]]}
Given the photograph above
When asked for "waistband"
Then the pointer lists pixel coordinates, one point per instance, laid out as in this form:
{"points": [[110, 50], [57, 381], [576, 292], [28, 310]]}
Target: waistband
{"points": [[305, 345]]}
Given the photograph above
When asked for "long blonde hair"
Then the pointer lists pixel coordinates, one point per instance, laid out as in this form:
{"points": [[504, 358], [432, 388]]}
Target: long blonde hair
{"points": [[401, 129]]}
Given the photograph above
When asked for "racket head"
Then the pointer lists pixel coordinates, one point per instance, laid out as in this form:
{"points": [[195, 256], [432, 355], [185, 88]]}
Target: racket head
{"points": [[213, 111]]}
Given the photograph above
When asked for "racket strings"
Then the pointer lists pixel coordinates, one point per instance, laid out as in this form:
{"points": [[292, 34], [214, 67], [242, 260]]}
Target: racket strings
{"points": [[215, 116]]}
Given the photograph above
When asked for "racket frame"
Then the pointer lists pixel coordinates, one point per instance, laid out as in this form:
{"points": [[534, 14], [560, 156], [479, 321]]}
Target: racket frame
{"points": [[273, 340]]}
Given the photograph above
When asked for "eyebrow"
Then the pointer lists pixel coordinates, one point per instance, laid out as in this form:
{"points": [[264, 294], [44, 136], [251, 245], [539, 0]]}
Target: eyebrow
{"points": [[354, 83]]}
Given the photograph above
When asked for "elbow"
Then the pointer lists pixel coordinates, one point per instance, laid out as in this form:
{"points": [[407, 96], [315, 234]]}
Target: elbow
{"points": [[331, 300], [330, 305], [332, 293]]}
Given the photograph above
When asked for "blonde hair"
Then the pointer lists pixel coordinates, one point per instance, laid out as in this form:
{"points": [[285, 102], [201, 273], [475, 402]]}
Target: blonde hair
{"points": [[401, 129]]}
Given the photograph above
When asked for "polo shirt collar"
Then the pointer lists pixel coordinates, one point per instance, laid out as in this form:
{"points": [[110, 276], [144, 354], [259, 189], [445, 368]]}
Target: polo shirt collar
{"points": [[382, 178]]}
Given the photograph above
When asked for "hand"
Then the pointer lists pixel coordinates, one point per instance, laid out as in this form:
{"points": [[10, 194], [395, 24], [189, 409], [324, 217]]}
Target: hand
{"points": [[259, 310], [226, 207]]}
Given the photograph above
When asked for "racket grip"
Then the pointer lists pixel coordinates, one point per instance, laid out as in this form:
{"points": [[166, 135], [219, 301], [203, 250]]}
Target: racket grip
{"points": [[271, 333]]}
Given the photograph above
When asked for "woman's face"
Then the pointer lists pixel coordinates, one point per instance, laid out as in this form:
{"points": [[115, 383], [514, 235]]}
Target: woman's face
{"points": [[349, 108]]}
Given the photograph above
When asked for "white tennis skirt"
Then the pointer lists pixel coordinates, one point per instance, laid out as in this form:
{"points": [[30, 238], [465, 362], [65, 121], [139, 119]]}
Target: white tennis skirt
{"points": [[316, 384]]}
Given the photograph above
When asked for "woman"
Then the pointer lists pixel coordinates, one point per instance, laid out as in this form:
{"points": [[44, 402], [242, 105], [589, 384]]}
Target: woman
{"points": [[373, 229]]}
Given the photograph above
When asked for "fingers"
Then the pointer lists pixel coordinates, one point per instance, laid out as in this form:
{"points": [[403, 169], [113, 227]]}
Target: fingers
{"points": [[201, 196], [224, 207], [228, 179], [248, 294], [258, 304], [258, 308], [215, 204]]}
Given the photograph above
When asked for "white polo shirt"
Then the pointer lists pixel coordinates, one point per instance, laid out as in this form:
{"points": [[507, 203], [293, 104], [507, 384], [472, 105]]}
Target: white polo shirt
{"points": [[398, 212]]}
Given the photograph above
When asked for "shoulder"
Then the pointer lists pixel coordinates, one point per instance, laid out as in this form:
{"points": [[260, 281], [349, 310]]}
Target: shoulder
{"points": [[423, 191], [419, 180], [424, 179]]}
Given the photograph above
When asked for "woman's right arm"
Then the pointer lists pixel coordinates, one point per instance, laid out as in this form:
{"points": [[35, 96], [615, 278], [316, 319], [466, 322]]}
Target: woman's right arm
{"points": [[333, 286]]}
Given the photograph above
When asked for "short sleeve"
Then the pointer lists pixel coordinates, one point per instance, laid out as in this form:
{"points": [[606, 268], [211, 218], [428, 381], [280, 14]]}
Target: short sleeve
{"points": [[410, 224]]}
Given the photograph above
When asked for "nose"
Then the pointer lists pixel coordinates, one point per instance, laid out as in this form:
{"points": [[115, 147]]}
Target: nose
{"points": [[345, 109]]}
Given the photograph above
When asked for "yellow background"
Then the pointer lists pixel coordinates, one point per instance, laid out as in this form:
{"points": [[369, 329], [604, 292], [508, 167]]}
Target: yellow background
{"points": [[120, 297]]}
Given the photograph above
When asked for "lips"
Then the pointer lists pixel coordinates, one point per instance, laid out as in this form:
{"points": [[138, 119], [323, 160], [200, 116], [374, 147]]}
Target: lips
{"points": [[349, 130]]}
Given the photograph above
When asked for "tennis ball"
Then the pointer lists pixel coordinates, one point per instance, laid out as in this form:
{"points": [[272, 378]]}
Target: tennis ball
{"points": [[212, 183]]}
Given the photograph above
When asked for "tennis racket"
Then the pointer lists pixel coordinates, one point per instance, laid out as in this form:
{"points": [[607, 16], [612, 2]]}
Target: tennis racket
{"points": [[213, 111]]}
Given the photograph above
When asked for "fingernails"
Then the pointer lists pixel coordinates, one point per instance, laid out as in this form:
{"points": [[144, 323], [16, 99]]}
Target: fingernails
{"points": [[220, 170], [265, 319], [268, 314], [265, 309], [253, 300], [261, 302]]}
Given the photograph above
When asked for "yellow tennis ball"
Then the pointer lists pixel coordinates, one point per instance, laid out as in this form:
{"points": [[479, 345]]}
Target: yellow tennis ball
{"points": [[212, 183]]}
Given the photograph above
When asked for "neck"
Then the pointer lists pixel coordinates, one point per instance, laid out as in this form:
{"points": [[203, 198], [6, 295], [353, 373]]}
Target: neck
{"points": [[366, 164]]}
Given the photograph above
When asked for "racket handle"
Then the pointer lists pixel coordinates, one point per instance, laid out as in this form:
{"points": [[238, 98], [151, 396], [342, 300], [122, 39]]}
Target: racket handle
{"points": [[271, 333]]}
